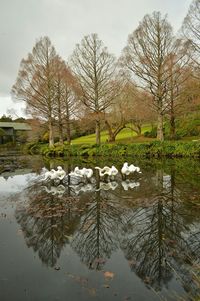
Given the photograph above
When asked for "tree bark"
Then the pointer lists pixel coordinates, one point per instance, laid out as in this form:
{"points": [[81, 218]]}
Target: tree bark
{"points": [[98, 134], [68, 131], [60, 132], [113, 134], [172, 126], [51, 136], [160, 132]]}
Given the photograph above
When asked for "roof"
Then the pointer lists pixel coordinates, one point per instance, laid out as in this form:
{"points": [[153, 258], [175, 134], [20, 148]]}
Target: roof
{"points": [[16, 125]]}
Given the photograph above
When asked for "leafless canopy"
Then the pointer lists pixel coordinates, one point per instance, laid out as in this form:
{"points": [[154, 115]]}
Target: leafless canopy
{"points": [[147, 56], [95, 68], [191, 27]]}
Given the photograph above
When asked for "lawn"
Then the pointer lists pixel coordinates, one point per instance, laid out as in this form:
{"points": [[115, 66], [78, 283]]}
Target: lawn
{"points": [[125, 136]]}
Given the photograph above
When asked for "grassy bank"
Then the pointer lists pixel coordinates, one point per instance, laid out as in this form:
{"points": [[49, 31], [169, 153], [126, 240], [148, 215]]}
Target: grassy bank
{"points": [[154, 149], [125, 135]]}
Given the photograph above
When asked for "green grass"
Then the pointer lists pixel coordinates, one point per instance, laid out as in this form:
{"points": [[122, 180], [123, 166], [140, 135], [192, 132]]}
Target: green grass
{"points": [[126, 135]]}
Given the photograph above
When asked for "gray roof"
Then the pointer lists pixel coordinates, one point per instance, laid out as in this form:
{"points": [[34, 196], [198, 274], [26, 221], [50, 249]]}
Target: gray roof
{"points": [[16, 125]]}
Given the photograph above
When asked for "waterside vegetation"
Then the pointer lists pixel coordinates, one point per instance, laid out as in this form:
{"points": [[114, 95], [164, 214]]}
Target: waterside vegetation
{"points": [[156, 149]]}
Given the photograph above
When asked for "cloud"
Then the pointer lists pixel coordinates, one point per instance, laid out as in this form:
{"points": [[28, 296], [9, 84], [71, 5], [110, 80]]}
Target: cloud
{"points": [[66, 22]]}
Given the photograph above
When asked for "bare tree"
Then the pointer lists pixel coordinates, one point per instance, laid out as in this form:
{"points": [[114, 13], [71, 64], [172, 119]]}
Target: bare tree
{"points": [[146, 55], [179, 71], [66, 100], [94, 67], [35, 82], [191, 29], [130, 110]]}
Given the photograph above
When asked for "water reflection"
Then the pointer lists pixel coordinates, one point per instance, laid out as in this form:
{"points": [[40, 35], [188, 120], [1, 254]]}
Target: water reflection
{"points": [[48, 221], [97, 234], [148, 218], [158, 242]]}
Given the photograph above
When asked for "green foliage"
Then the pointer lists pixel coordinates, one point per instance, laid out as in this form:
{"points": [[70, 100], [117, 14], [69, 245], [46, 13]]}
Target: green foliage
{"points": [[154, 149], [152, 133], [5, 118], [186, 126]]}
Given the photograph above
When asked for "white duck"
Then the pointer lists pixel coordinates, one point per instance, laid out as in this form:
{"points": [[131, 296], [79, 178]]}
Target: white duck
{"points": [[134, 168], [82, 173], [88, 173], [60, 173], [107, 171], [76, 173], [50, 175], [127, 170]]}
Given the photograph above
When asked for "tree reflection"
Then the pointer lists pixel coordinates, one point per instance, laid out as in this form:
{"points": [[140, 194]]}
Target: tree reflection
{"points": [[97, 235], [157, 240], [48, 221]]}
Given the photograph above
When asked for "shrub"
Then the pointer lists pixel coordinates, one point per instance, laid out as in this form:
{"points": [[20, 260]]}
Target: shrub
{"points": [[151, 134]]}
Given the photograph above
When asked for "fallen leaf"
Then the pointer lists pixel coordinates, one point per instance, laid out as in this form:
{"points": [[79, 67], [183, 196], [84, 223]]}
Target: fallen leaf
{"points": [[109, 275]]}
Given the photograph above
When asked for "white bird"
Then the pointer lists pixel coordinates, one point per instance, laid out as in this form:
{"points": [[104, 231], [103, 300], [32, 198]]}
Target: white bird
{"points": [[86, 172], [52, 175], [134, 168], [76, 173], [82, 173], [127, 170], [113, 171], [103, 171], [60, 173], [107, 171]]}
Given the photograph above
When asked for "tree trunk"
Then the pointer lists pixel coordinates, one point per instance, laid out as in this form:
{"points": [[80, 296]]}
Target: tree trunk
{"points": [[160, 132], [136, 127], [51, 136], [98, 133], [68, 131], [60, 132], [172, 125], [111, 136]]}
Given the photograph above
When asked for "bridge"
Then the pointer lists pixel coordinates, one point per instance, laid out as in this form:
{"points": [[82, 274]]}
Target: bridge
{"points": [[9, 129]]}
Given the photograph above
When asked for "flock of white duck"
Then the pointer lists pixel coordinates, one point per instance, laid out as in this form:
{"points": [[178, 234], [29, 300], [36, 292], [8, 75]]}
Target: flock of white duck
{"points": [[83, 180]]}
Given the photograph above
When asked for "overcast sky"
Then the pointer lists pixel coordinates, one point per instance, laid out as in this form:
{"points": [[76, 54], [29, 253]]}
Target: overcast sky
{"points": [[66, 22]]}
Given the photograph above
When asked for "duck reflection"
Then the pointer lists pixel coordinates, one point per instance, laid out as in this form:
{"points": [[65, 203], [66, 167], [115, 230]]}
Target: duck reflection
{"points": [[148, 219], [96, 236], [48, 220]]}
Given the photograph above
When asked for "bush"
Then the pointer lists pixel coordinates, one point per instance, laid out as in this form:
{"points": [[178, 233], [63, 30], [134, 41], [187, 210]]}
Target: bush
{"points": [[152, 133], [154, 149], [185, 127]]}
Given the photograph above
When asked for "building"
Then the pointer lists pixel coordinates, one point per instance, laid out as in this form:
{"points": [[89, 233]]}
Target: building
{"points": [[10, 129]]}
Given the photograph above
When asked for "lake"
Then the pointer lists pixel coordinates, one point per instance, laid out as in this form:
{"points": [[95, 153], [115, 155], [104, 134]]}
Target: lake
{"points": [[132, 239]]}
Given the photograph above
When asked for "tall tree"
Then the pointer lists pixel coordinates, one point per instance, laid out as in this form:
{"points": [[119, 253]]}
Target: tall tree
{"points": [[191, 29], [146, 55], [65, 98], [179, 71], [95, 68], [35, 82]]}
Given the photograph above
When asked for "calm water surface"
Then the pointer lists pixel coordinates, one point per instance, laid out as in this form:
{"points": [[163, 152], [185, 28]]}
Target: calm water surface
{"points": [[137, 239]]}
